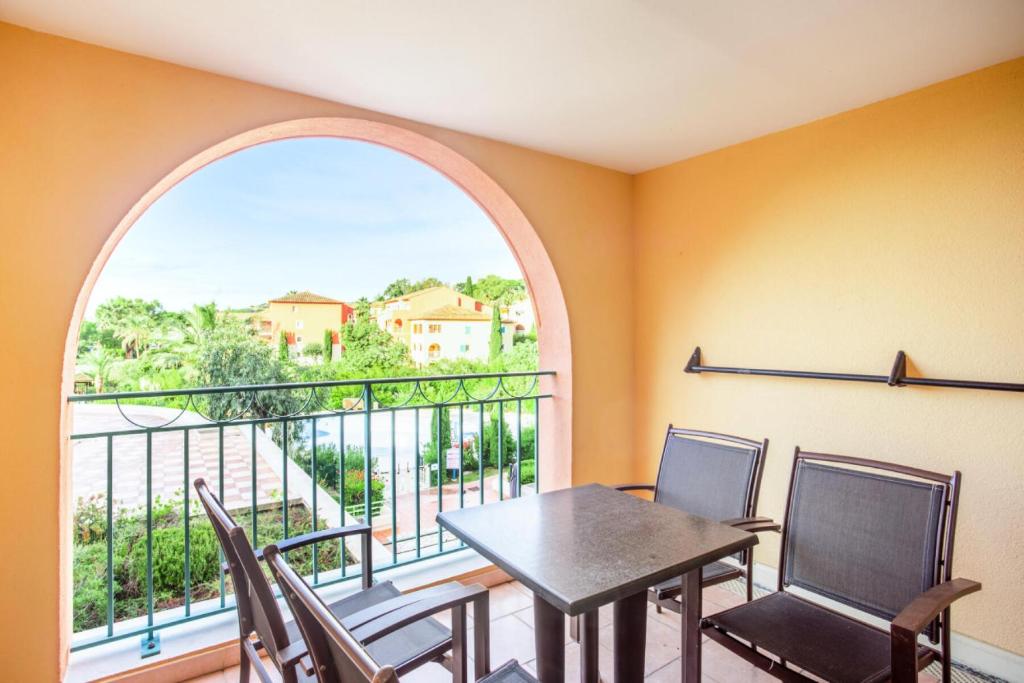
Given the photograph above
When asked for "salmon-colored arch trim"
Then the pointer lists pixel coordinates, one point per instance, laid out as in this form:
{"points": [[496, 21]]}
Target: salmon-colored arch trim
{"points": [[555, 428]]}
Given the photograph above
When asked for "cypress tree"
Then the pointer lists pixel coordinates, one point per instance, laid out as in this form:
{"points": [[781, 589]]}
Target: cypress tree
{"points": [[328, 345], [282, 347], [495, 345]]}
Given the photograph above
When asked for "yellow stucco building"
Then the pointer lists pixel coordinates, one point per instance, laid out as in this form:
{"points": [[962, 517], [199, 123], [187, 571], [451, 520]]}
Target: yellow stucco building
{"points": [[302, 317]]}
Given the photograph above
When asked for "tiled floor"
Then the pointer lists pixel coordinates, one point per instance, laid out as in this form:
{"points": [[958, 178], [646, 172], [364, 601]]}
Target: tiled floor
{"points": [[512, 637]]}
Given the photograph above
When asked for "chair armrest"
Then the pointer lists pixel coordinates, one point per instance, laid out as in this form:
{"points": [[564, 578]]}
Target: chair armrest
{"points": [[924, 608], [753, 524], [327, 535], [912, 619], [378, 610], [395, 619], [318, 537], [634, 487]]}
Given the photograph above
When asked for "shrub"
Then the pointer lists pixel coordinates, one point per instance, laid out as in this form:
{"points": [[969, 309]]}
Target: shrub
{"points": [[313, 349], [527, 472], [169, 562], [89, 595], [354, 488], [90, 520]]}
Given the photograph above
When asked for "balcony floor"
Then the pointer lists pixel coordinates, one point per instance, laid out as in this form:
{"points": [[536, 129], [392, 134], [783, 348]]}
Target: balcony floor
{"points": [[512, 637]]}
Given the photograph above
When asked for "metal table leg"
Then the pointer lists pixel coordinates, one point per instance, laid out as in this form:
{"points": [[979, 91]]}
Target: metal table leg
{"points": [[549, 640], [630, 631], [691, 608], [589, 671]]}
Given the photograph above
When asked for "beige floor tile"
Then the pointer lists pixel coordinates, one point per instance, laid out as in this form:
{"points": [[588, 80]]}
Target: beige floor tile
{"points": [[526, 616], [725, 667], [663, 644], [506, 599], [605, 662]]}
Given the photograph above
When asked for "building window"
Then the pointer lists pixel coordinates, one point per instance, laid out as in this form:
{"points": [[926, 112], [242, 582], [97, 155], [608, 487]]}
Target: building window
{"points": [[417, 328], [478, 306], [460, 301], [398, 323], [298, 324], [298, 340], [464, 348], [434, 328], [294, 309], [469, 330], [434, 351]]}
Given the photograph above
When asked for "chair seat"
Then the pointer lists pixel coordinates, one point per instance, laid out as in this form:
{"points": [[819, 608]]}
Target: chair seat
{"points": [[407, 645], [820, 641], [509, 672], [713, 572]]}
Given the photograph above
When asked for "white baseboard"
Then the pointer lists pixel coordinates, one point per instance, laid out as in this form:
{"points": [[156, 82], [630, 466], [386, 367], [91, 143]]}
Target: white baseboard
{"points": [[974, 654]]}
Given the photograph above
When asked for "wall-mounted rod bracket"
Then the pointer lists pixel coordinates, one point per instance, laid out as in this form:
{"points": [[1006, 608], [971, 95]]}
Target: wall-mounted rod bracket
{"points": [[692, 365], [899, 370]]}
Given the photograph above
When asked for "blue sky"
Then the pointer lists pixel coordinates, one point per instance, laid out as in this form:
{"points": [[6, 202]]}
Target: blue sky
{"points": [[337, 217]]}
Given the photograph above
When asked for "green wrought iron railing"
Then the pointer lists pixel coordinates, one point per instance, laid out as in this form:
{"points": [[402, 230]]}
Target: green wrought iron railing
{"points": [[286, 428]]}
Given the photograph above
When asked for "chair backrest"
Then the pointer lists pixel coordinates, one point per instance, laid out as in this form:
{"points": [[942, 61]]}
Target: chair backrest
{"points": [[337, 656], [258, 611], [868, 534], [708, 474]]}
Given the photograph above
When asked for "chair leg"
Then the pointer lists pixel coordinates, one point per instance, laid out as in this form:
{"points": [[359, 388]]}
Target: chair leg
{"points": [[243, 664], [750, 576]]}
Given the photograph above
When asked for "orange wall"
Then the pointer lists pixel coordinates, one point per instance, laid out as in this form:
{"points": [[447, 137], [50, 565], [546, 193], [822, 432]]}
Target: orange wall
{"points": [[85, 132], [829, 247]]}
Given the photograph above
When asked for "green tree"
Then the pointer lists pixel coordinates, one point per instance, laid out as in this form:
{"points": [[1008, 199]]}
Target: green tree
{"points": [[435, 451], [328, 345], [466, 287], [282, 347], [490, 446], [404, 286], [232, 356], [495, 345], [369, 350], [313, 350], [90, 336], [133, 322], [496, 289], [98, 363]]}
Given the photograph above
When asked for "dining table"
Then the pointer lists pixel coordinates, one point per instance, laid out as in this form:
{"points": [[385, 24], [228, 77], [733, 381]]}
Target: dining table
{"points": [[587, 546]]}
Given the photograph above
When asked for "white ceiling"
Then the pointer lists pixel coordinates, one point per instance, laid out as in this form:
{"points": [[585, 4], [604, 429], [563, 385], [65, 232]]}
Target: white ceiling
{"points": [[627, 84]]}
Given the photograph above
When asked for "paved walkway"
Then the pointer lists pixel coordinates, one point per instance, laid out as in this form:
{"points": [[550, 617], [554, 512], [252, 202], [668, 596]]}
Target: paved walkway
{"points": [[89, 458]]}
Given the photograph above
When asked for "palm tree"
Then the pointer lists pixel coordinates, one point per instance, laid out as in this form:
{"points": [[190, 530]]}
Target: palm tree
{"points": [[135, 333], [97, 363]]}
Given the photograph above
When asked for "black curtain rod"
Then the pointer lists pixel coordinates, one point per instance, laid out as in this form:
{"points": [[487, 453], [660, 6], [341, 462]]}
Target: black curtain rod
{"points": [[897, 376]]}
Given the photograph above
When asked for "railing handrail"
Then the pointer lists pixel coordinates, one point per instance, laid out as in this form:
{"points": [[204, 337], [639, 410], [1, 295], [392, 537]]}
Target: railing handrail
{"points": [[199, 391]]}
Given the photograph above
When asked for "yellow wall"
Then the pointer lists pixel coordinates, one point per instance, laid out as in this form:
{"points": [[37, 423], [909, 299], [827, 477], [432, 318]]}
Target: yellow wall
{"points": [[85, 132], [828, 247], [315, 318]]}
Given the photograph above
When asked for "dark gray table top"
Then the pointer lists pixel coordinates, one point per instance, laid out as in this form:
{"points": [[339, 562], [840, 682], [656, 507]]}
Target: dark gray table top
{"points": [[586, 546]]}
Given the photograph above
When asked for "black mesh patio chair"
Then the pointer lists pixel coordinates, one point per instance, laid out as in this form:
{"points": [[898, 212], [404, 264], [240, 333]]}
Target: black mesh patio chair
{"points": [[713, 475], [262, 626], [871, 536], [338, 648], [717, 476]]}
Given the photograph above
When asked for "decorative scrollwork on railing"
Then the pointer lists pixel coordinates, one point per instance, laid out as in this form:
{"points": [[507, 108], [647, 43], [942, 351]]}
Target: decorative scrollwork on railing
{"points": [[219, 406]]}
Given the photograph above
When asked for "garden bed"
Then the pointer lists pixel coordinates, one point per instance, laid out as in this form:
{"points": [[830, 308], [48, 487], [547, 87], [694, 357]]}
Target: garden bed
{"points": [[129, 551]]}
